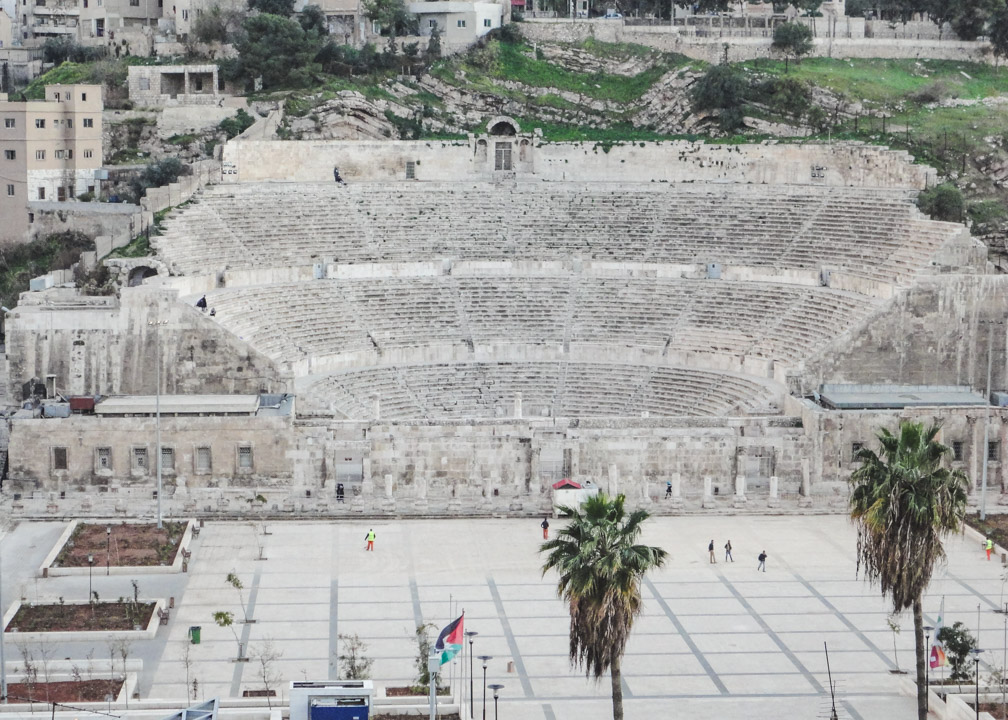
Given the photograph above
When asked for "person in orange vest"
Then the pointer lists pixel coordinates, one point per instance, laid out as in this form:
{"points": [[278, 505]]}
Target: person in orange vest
{"points": [[989, 546], [370, 539]]}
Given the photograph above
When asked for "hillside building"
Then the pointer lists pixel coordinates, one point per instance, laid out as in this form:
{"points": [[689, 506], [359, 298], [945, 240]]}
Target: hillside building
{"points": [[460, 23], [51, 150]]}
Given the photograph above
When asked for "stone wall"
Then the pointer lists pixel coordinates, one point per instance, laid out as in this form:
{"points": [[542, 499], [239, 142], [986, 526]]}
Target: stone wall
{"points": [[713, 49], [33, 440], [839, 164], [106, 346], [934, 333]]}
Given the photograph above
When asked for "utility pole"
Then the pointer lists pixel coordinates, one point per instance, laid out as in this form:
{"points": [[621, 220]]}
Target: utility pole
{"points": [[986, 452]]}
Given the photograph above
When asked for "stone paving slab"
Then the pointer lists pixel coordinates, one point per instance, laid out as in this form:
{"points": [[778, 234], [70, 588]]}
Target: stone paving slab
{"points": [[713, 640]]}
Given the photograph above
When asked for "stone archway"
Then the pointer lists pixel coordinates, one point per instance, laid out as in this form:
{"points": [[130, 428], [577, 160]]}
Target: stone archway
{"points": [[140, 273], [503, 126]]}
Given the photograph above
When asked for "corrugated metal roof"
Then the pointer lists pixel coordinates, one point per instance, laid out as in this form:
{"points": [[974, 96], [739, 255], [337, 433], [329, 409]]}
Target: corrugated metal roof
{"points": [[891, 397], [179, 405]]}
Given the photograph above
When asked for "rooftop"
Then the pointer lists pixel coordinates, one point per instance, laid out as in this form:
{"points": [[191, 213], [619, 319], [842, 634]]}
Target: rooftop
{"points": [[887, 397]]}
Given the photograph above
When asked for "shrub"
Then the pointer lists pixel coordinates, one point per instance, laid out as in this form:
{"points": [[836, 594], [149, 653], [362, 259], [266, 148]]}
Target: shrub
{"points": [[943, 202], [234, 126], [958, 642], [722, 88], [156, 174]]}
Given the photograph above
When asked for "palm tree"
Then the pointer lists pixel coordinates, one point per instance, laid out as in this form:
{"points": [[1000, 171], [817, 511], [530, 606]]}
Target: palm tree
{"points": [[600, 569], [903, 502]]}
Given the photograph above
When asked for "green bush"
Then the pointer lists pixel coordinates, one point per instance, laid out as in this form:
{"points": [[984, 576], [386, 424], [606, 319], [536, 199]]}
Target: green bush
{"points": [[156, 174], [943, 202], [234, 126], [722, 88], [958, 642]]}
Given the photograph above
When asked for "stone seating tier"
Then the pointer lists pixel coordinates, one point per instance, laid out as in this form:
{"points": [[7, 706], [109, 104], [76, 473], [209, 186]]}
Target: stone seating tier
{"points": [[870, 232], [293, 321], [488, 391]]}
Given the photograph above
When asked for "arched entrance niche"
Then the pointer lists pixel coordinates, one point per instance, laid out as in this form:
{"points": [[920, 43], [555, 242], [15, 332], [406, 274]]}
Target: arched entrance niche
{"points": [[504, 150], [140, 273]]}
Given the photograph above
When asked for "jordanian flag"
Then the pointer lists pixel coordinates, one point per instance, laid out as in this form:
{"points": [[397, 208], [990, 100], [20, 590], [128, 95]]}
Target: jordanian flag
{"points": [[449, 642]]}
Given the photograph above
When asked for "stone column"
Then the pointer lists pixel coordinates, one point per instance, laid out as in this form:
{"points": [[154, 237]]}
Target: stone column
{"points": [[613, 480], [774, 500], [740, 487], [420, 493], [677, 501], [376, 407], [806, 486], [708, 492], [518, 405], [388, 502], [645, 491]]}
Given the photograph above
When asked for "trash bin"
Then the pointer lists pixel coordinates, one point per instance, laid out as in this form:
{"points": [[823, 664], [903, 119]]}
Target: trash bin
{"points": [[194, 634]]}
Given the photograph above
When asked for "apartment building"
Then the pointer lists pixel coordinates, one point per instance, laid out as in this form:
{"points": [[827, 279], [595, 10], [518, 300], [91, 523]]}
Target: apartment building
{"points": [[50, 150]]}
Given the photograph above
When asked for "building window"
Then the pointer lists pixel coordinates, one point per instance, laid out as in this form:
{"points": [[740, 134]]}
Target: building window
{"points": [[9, 122], [59, 154], [461, 23], [185, 15], [486, 22], [134, 3], [87, 153], [10, 190], [83, 97], [245, 457], [957, 450], [40, 154], [203, 460], [9, 155], [994, 451], [61, 193], [145, 83], [41, 193], [855, 448], [167, 459], [140, 459], [59, 458], [70, 154], [103, 458], [410, 170], [69, 122], [432, 23], [89, 122], [40, 123]]}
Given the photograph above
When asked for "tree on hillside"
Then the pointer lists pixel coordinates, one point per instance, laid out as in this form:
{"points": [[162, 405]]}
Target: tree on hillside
{"points": [[217, 24], [944, 202], [903, 503], [313, 19], [392, 17], [941, 12], [792, 40], [279, 50], [600, 568], [283, 8], [971, 17], [722, 88], [999, 32]]}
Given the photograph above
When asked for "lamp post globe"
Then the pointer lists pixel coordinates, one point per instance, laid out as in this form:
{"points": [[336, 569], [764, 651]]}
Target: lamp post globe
{"points": [[496, 687]]}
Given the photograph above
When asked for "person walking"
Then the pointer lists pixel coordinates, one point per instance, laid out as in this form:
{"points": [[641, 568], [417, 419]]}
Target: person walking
{"points": [[668, 489], [989, 547], [370, 539], [727, 552], [762, 561], [710, 549], [545, 528]]}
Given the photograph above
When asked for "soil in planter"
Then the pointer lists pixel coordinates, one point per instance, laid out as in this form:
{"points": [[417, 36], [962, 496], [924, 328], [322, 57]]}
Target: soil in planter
{"points": [[68, 691], [130, 544], [412, 691], [96, 616]]}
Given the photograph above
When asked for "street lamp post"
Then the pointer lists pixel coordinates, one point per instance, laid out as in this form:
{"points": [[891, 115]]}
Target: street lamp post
{"points": [[496, 687], [927, 667], [3, 663], [975, 652], [484, 658], [471, 634], [156, 324], [108, 547], [90, 564]]}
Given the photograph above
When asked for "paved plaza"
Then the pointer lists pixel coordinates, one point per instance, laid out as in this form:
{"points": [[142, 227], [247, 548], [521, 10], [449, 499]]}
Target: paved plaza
{"points": [[714, 641]]}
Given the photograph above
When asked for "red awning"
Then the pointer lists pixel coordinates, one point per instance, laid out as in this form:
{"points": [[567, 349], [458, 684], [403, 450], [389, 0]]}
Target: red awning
{"points": [[519, 3], [566, 484]]}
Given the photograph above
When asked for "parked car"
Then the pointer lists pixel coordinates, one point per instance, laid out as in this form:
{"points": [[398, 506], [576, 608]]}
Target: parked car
{"points": [[613, 15]]}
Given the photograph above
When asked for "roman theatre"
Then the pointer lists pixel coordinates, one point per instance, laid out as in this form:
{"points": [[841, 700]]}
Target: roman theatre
{"points": [[466, 323]]}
